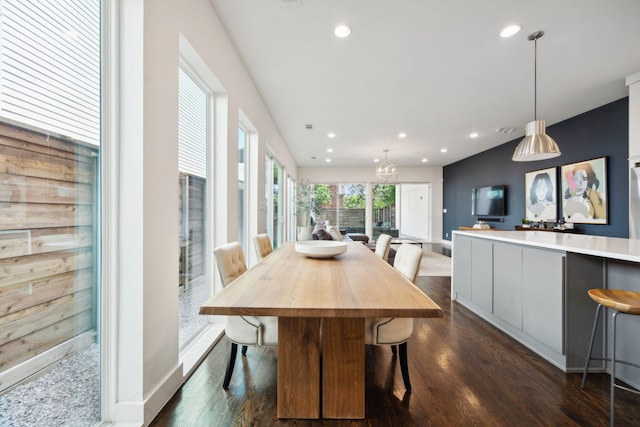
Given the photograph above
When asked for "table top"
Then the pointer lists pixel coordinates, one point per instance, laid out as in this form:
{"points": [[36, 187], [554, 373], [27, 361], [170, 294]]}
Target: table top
{"points": [[356, 283]]}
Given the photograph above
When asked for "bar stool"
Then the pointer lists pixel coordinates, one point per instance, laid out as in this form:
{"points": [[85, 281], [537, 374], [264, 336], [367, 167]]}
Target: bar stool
{"points": [[620, 301]]}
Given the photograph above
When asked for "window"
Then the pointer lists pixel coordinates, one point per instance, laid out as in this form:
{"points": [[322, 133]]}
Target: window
{"points": [[50, 228], [291, 203], [384, 209], [243, 181], [274, 200], [193, 123]]}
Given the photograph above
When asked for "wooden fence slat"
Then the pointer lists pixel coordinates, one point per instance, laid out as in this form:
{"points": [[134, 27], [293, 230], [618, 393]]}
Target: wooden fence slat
{"points": [[14, 243], [29, 138], [18, 351], [21, 216], [17, 162], [36, 267], [26, 189], [28, 321], [24, 295]]}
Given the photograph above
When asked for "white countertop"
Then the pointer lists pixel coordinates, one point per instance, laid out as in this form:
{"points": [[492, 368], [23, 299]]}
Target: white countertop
{"points": [[606, 247]]}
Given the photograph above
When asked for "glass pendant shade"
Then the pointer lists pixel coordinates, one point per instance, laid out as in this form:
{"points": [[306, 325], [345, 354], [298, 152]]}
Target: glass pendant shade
{"points": [[386, 171], [536, 145]]}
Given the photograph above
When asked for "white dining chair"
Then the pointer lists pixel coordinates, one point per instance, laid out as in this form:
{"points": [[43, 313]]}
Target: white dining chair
{"points": [[383, 244], [395, 331], [243, 330], [263, 245]]}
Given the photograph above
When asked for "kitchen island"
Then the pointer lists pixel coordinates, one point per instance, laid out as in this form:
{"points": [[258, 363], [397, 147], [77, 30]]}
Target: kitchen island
{"points": [[533, 286]]}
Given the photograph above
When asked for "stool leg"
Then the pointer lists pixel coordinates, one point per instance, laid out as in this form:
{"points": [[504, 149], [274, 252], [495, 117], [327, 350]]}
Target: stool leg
{"points": [[593, 336], [613, 370]]}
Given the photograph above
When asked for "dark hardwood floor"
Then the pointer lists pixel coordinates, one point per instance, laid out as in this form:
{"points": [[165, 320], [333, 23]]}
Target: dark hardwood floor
{"points": [[464, 373]]}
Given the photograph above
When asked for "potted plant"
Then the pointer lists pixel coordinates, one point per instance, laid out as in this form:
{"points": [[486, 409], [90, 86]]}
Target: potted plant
{"points": [[307, 203], [526, 223]]}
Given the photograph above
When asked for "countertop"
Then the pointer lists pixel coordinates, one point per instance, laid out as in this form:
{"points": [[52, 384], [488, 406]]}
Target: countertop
{"points": [[601, 246]]}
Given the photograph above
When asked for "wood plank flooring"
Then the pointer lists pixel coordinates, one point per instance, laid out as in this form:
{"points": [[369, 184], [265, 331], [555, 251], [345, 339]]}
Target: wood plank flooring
{"points": [[463, 371]]}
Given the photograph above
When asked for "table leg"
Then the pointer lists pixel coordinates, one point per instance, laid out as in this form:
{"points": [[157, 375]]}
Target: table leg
{"points": [[298, 367], [342, 367]]}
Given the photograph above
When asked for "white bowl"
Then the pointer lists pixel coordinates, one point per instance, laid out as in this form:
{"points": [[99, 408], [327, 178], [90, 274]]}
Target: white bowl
{"points": [[321, 248]]}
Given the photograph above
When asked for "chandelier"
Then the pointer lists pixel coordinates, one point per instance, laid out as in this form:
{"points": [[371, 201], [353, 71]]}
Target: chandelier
{"points": [[386, 171]]}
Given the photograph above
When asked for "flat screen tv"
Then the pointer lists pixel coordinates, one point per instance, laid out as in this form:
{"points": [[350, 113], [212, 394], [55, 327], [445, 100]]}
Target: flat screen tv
{"points": [[486, 201]]}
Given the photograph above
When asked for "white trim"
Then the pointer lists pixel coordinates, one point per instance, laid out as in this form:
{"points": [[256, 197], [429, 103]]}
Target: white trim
{"points": [[108, 321], [634, 78]]}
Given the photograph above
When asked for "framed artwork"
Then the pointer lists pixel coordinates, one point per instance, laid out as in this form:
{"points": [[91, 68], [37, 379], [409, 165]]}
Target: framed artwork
{"points": [[541, 195], [584, 192]]}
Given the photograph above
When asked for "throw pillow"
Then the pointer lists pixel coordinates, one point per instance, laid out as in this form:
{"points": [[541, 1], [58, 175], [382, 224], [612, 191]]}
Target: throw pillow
{"points": [[335, 233], [323, 235]]}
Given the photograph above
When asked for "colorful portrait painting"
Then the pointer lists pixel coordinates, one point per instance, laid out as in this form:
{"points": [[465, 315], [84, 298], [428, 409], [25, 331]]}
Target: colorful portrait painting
{"points": [[584, 192]]}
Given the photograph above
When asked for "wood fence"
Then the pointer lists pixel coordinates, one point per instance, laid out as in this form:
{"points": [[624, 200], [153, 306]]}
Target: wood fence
{"points": [[47, 247]]}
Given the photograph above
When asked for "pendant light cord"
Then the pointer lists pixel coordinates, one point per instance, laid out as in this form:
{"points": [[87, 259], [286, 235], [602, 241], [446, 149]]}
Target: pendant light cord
{"points": [[535, 79], [534, 37]]}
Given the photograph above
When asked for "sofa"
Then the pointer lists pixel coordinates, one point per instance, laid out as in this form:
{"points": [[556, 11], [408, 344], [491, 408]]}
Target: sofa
{"points": [[321, 232]]}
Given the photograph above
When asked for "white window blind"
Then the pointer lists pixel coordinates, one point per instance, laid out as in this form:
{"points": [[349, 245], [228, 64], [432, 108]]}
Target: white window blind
{"points": [[49, 66], [192, 127]]}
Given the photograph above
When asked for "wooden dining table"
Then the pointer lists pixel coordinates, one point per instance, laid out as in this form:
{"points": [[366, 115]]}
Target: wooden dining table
{"points": [[321, 305]]}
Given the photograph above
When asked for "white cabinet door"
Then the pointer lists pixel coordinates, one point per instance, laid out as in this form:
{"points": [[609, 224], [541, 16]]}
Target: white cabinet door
{"points": [[461, 253], [542, 302], [507, 283], [482, 273]]}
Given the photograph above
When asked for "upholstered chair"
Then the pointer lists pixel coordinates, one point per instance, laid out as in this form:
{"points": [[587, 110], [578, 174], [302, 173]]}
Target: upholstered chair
{"points": [[263, 245], [242, 330], [395, 331], [383, 244]]}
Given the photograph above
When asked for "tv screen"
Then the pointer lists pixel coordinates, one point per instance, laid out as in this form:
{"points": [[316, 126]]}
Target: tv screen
{"points": [[488, 200]]}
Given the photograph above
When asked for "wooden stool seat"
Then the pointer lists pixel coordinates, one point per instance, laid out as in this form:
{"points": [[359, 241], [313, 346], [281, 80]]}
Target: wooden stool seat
{"points": [[620, 300]]}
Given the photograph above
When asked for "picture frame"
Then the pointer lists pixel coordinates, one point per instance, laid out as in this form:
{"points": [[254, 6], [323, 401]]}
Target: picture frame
{"points": [[584, 191], [541, 200]]}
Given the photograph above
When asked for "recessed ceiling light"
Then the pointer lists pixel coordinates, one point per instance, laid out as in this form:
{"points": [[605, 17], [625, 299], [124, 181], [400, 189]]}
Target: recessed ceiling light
{"points": [[329, 150], [425, 160], [328, 160], [376, 160], [402, 135], [473, 135], [443, 150], [509, 31], [342, 31], [331, 135]]}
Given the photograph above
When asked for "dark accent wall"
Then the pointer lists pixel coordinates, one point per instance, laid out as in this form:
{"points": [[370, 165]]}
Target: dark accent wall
{"points": [[601, 132]]}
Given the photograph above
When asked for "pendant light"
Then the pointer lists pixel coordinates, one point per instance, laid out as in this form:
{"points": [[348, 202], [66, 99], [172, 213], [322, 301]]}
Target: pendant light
{"points": [[386, 171], [536, 145]]}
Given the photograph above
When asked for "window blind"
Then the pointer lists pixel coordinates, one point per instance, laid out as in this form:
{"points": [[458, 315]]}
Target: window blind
{"points": [[49, 66], [192, 127]]}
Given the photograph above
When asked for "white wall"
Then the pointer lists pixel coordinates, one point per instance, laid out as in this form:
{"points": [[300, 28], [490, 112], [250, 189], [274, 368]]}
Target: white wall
{"points": [[145, 369], [422, 174]]}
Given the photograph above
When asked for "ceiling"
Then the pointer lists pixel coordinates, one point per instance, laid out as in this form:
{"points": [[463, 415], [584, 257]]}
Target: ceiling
{"points": [[435, 70]]}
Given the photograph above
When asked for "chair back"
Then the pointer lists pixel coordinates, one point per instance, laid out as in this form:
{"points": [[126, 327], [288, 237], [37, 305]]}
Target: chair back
{"points": [[382, 246], [263, 245], [407, 261], [230, 260]]}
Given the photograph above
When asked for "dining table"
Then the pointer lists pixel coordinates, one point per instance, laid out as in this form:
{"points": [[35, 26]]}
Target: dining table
{"points": [[321, 305]]}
